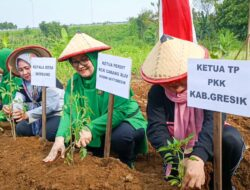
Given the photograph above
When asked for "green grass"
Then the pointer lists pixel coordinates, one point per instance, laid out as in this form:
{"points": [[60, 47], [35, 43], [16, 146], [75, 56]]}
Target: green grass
{"points": [[123, 38], [124, 43], [242, 56]]}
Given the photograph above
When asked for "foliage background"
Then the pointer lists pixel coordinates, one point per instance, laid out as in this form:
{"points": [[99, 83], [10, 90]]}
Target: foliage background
{"points": [[221, 26]]}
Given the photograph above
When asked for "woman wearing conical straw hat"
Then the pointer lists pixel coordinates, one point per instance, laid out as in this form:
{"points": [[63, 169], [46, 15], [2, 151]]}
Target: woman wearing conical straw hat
{"points": [[128, 125], [169, 117], [26, 107]]}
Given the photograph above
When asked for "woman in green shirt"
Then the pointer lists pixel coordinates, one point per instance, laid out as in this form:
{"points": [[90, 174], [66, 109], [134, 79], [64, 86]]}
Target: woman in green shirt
{"points": [[128, 124], [4, 53]]}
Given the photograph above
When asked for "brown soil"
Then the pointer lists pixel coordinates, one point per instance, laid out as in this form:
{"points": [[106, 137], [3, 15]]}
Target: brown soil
{"points": [[21, 165]]}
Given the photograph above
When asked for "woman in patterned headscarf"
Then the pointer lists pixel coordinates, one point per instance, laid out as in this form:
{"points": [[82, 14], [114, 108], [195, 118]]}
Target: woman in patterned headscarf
{"points": [[26, 108]]}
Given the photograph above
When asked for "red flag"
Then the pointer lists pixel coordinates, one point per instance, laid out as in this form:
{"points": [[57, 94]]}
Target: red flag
{"points": [[175, 19]]}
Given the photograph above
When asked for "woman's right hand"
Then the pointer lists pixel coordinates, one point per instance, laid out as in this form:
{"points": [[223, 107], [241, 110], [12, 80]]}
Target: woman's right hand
{"points": [[57, 147], [85, 138], [7, 109], [194, 173]]}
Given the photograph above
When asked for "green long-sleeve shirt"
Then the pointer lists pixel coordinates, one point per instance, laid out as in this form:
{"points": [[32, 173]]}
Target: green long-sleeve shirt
{"points": [[124, 109]]}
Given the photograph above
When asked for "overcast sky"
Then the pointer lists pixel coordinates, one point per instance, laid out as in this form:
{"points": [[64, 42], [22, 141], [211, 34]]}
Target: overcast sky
{"points": [[32, 12]]}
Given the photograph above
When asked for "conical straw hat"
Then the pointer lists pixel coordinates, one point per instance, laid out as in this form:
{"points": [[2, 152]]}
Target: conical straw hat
{"points": [[80, 44], [39, 51], [168, 59]]}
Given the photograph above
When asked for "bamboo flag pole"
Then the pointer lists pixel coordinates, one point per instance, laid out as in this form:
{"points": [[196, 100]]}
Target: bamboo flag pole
{"points": [[217, 140], [109, 127], [44, 113]]}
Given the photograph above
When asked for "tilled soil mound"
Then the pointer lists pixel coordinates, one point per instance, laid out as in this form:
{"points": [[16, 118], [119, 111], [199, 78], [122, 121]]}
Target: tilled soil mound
{"points": [[21, 165], [22, 168]]}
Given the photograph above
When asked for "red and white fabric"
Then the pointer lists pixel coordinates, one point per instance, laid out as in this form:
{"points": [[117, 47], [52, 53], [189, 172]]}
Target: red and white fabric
{"points": [[175, 19]]}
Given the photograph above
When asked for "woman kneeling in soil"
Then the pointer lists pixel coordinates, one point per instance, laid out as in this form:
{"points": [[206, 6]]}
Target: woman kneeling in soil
{"points": [[128, 133], [26, 107], [169, 116]]}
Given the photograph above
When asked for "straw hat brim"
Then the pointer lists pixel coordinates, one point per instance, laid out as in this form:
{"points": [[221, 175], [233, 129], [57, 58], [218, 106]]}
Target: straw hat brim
{"points": [[167, 61], [90, 50], [80, 44], [164, 80], [37, 50]]}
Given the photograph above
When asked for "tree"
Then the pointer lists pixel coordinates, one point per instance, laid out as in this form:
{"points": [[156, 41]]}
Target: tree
{"points": [[146, 26], [156, 7], [205, 6], [233, 15], [52, 29], [204, 25], [7, 25], [203, 17], [27, 30]]}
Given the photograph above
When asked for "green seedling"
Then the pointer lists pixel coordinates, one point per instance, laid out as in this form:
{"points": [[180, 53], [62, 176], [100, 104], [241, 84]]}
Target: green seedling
{"points": [[174, 155], [9, 93], [80, 123]]}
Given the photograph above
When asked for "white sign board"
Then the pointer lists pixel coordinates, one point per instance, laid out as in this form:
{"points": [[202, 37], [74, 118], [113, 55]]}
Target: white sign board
{"points": [[43, 71], [114, 75], [219, 85]]}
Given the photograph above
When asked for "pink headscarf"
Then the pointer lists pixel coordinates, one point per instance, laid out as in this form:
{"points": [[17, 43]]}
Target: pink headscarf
{"points": [[187, 120]]}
